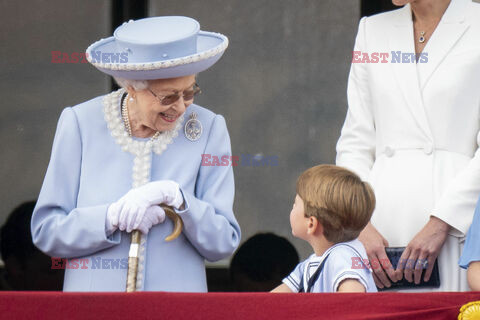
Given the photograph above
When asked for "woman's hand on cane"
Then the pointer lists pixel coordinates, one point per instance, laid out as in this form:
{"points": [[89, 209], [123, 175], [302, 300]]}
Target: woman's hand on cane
{"points": [[128, 213], [153, 216]]}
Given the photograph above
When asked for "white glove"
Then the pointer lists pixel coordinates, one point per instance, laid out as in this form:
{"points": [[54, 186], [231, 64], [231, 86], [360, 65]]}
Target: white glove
{"points": [[161, 191], [131, 208], [111, 222], [153, 216]]}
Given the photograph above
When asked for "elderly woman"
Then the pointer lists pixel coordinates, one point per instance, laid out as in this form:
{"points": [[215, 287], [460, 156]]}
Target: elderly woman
{"points": [[116, 158], [412, 130]]}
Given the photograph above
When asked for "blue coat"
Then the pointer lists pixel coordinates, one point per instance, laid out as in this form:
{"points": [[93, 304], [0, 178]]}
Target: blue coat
{"points": [[88, 171]]}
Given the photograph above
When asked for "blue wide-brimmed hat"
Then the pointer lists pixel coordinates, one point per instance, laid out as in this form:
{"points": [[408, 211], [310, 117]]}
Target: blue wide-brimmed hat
{"points": [[157, 48]]}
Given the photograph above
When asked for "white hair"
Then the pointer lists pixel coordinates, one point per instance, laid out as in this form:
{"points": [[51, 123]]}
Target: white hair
{"points": [[135, 84]]}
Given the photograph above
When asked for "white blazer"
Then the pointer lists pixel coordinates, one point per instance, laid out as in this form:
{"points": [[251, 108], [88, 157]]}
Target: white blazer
{"points": [[412, 129]]}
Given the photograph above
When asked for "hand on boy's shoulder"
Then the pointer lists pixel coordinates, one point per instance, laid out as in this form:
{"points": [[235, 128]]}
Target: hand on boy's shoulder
{"points": [[350, 285]]}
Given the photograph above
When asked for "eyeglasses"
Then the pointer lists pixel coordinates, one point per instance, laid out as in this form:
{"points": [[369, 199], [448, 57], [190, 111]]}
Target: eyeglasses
{"points": [[172, 98]]}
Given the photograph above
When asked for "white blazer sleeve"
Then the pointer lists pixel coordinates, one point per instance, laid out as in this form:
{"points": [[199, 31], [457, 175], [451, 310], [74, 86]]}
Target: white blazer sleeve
{"points": [[58, 227], [457, 204], [356, 146], [209, 222]]}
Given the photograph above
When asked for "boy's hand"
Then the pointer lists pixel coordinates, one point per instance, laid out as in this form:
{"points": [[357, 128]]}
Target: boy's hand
{"points": [[375, 244]]}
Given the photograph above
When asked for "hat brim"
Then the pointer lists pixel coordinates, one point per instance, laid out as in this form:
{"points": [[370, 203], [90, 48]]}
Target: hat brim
{"points": [[210, 47]]}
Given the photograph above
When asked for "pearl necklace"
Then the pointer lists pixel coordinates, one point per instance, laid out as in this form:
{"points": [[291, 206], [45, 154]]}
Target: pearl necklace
{"points": [[112, 111], [126, 119]]}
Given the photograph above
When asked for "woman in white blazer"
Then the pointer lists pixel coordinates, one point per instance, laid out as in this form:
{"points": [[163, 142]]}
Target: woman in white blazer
{"points": [[412, 131]]}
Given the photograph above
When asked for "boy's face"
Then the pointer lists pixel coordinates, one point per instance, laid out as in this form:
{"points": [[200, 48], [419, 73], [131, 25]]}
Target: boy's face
{"points": [[298, 221]]}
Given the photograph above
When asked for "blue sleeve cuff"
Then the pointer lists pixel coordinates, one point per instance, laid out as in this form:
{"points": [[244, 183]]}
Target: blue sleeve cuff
{"points": [[186, 205]]}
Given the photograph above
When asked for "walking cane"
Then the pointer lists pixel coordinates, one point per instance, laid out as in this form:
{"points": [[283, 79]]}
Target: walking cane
{"points": [[135, 247]]}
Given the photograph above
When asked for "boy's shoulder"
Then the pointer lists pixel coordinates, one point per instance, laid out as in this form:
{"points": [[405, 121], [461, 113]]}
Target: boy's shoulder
{"points": [[348, 260], [350, 249], [347, 257]]}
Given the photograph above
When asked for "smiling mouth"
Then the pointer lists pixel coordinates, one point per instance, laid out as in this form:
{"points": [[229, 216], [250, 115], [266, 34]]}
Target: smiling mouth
{"points": [[168, 117]]}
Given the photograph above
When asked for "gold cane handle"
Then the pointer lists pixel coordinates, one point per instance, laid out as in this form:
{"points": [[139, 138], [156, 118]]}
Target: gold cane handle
{"points": [[177, 222]]}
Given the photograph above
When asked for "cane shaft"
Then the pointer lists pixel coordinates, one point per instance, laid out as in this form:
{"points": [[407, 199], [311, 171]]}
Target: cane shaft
{"points": [[133, 262], [135, 247]]}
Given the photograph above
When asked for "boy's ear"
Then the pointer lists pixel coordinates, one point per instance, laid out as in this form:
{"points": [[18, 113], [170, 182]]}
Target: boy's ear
{"points": [[314, 226]]}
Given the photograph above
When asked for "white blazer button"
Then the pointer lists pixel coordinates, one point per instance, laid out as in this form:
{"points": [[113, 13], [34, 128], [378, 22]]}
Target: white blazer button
{"points": [[389, 152], [428, 149]]}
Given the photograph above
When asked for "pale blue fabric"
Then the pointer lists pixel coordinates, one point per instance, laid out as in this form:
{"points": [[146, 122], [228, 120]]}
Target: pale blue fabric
{"points": [[471, 249], [88, 171], [342, 263], [157, 48]]}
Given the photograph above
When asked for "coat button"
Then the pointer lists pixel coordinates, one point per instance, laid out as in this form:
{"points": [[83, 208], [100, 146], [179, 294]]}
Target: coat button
{"points": [[389, 152], [428, 149]]}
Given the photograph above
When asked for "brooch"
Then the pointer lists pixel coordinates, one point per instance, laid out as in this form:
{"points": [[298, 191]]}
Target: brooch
{"points": [[193, 128]]}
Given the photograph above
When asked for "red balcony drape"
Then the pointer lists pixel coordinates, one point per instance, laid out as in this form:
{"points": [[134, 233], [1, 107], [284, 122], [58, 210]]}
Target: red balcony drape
{"points": [[224, 306]]}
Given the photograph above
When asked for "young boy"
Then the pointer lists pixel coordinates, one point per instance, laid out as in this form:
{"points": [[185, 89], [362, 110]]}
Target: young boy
{"points": [[331, 207]]}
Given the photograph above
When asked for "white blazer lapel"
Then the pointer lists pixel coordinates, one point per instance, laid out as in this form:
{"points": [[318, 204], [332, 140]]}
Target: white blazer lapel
{"points": [[401, 39], [450, 29]]}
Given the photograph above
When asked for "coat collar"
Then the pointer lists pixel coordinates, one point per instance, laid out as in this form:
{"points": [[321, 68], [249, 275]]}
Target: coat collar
{"points": [[401, 40], [450, 29]]}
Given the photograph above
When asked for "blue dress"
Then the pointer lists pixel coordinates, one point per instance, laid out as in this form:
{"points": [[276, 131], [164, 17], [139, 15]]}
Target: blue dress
{"points": [[89, 170], [471, 249]]}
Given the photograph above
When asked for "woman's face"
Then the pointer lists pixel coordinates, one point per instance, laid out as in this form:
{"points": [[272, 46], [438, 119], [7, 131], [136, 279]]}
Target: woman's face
{"points": [[298, 221], [155, 115]]}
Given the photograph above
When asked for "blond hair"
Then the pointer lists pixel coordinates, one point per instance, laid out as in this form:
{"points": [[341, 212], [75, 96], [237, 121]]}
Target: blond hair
{"points": [[338, 198]]}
